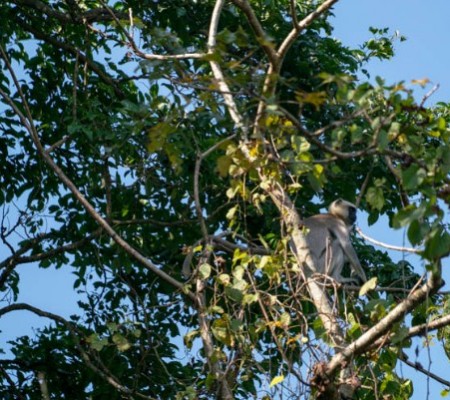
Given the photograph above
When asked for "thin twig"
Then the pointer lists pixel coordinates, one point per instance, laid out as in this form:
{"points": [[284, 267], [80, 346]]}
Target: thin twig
{"points": [[418, 367], [147, 56], [427, 95]]}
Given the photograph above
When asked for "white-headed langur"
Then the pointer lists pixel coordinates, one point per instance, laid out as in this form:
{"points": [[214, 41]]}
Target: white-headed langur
{"points": [[328, 238]]}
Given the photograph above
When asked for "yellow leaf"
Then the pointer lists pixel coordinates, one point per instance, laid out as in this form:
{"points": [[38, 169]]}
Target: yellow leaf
{"points": [[315, 98], [275, 381], [368, 286], [223, 165], [272, 120], [422, 82]]}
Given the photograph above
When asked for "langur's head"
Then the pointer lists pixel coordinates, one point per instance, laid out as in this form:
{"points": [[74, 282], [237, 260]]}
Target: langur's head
{"points": [[344, 210]]}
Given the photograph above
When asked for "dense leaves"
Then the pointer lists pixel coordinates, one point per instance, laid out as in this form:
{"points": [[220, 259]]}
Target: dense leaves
{"points": [[206, 298]]}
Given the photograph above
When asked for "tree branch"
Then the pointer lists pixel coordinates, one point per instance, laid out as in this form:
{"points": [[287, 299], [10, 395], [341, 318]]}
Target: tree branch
{"points": [[27, 121], [75, 334], [261, 36], [301, 26], [367, 338], [138, 52], [417, 366], [11, 262], [387, 246]]}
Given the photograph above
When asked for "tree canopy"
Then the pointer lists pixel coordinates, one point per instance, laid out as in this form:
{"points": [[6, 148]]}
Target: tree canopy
{"points": [[165, 153]]}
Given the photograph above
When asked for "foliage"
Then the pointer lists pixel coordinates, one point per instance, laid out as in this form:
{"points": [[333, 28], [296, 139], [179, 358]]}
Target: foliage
{"points": [[167, 190]]}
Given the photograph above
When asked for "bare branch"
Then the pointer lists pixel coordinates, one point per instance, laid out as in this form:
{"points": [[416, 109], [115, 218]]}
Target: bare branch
{"points": [[387, 246], [139, 52], [429, 94], [217, 71], [417, 366], [302, 25], [429, 326]]}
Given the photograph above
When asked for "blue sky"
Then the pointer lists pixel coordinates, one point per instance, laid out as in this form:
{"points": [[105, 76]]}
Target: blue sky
{"points": [[424, 55], [426, 26]]}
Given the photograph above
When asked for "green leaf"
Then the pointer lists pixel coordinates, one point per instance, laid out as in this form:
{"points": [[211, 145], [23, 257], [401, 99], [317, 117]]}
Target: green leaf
{"points": [[415, 234], [188, 339], [234, 294], [121, 342], [205, 271], [408, 214], [375, 197], [400, 334], [250, 298], [413, 176], [224, 279], [221, 331], [96, 342], [438, 244], [223, 165]]}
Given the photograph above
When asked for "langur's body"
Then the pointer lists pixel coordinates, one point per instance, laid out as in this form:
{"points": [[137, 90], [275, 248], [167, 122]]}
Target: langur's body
{"points": [[328, 238]]}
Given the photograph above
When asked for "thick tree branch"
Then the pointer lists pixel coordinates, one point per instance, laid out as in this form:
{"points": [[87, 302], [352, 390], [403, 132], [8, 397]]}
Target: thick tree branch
{"points": [[280, 198], [218, 74], [379, 329]]}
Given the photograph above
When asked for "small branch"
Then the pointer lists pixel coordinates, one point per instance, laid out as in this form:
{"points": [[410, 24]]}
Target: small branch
{"points": [[292, 5], [261, 36], [417, 330], [138, 52], [403, 196], [12, 384], [148, 221], [198, 163], [11, 262], [42, 380], [218, 74], [108, 184], [363, 188], [93, 66], [59, 143], [371, 149], [429, 326], [231, 247], [198, 206], [417, 366], [301, 26], [387, 246], [429, 94]]}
